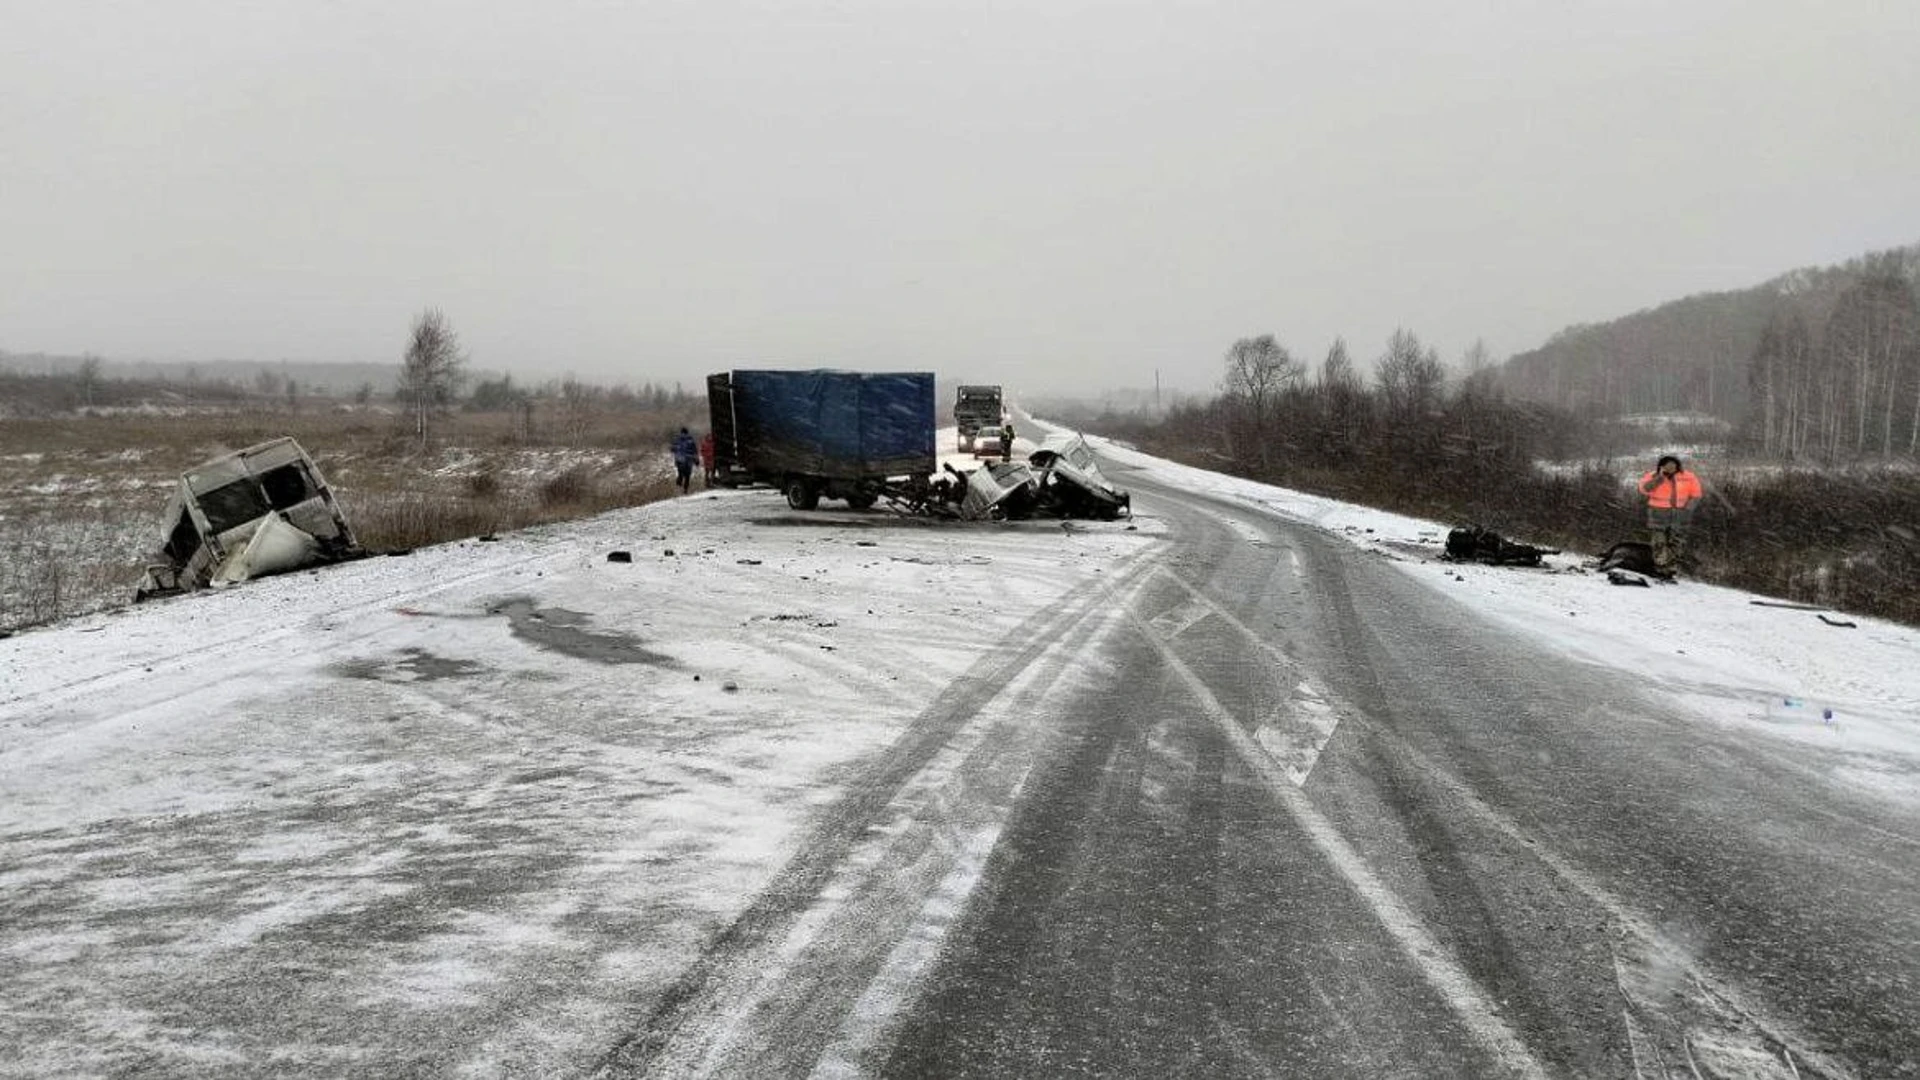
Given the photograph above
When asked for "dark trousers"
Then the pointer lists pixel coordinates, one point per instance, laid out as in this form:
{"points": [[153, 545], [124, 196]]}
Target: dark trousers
{"points": [[1667, 534]]}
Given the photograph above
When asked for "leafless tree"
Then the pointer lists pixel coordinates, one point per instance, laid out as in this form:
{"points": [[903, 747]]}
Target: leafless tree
{"points": [[1259, 370], [1865, 337], [1336, 371], [1478, 376], [1341, 393], [431, 371], [88, 375], [577, 407], [1410, 376], [1782, 388]]}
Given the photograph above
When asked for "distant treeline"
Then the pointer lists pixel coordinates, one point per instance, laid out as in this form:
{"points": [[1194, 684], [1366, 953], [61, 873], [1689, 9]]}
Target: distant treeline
{"points": [[40, 388], [85, 387], [1412, 436], [1797, 363]]}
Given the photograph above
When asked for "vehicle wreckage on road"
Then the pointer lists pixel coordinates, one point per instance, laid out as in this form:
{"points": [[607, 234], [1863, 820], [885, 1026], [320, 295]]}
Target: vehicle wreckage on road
{"points": [[1060, 480], [259, 511], [867, 437], [1071, 482]]}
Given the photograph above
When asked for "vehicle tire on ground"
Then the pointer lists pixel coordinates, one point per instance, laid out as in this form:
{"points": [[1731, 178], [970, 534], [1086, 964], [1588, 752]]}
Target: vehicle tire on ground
{"points": [[802, 495], [863, 500]]}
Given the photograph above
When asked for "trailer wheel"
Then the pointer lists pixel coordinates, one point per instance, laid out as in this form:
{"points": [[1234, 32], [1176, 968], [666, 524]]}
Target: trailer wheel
{"points": [[802, 495]]}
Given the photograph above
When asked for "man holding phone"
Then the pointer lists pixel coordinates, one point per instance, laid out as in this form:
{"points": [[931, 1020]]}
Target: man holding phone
{"points": [[1672, 493]]}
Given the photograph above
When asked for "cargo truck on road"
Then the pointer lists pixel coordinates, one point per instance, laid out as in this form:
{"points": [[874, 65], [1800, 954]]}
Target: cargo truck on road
{"points": [[834, 434], [977, 413]]}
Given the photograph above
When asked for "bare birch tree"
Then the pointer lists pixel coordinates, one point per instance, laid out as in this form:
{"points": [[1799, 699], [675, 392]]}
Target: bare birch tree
{"points": [[1478, 376], [1410, 376], [1869, 336], [431, 371], [88, 376]]}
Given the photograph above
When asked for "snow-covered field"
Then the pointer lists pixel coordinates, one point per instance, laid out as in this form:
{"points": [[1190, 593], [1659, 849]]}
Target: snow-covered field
{"points": [[77, 527], [473, 809]]}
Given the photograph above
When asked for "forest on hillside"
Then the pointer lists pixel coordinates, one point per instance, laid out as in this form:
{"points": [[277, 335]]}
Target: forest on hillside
{"points": [[1819, 362]]}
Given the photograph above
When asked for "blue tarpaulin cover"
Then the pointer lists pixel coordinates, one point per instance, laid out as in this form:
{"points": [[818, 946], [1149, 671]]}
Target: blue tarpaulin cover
{"points": [[844, 425]]}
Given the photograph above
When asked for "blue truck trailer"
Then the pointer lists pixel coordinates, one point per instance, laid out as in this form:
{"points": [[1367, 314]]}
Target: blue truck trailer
{"points": [[835, 434]]}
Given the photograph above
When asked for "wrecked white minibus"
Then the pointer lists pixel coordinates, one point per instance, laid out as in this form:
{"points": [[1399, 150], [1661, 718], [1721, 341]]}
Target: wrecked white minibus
{"points": [[262, 510]]}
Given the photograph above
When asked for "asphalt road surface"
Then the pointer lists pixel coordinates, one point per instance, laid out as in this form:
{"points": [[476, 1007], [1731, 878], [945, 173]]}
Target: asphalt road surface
{"points": [[1262, 805]]}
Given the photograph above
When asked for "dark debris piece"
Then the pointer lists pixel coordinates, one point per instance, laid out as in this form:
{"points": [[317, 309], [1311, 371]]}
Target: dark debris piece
{"points": [[1471, 543]]}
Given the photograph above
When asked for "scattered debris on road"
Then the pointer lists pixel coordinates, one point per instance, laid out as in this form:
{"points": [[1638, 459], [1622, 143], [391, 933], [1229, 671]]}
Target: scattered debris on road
{"points": [[864, 437], [259, 511], [1635, 556], [1471, 543]]}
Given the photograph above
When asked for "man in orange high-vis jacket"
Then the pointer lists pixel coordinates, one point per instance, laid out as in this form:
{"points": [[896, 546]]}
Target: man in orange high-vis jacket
{"points": [[1672, 492]]}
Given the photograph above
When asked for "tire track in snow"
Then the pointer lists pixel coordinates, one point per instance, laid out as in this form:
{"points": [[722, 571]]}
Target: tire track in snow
{"points": [[1422, 951], [1720, 1012], [673, 1037]]}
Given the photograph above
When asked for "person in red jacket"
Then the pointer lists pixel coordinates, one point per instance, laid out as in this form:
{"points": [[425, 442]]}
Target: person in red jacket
{"points": [[706, 459], [1672, 493]]}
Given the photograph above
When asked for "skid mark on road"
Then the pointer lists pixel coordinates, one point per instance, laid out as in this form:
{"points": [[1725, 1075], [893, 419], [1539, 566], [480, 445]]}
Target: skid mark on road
{"points": [[703, 1017], [1660, 979], [1436, 966], [1658, 975], [1298, 731], [1180, 619]]}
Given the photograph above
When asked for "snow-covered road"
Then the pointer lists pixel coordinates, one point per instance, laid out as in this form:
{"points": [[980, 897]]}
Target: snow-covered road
{"points": [[1248, 784]]}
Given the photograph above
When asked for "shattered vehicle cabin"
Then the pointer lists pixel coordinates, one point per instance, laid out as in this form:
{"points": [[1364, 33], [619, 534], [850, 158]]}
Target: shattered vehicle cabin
{"points": [[259, 511], [1059, 480], [1006, 491], [1071, 484]]}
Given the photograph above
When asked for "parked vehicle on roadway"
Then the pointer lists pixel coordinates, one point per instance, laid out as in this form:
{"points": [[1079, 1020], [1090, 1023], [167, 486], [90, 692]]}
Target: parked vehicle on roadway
{"points": [[824, 434], [977, 412]]}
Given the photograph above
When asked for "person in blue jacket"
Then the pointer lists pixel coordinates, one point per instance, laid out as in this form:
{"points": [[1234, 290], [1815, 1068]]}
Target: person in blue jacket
{"points": [[685, 453]]}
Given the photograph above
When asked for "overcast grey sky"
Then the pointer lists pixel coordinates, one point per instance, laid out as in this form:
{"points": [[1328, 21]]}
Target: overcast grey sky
{"points": [[1030, 192]]}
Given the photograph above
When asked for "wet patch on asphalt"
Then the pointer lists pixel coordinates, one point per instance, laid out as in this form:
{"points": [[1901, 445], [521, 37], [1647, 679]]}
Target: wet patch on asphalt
{"points": [[562, 631], [416, 665]]}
